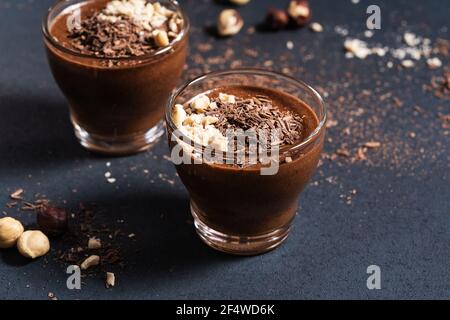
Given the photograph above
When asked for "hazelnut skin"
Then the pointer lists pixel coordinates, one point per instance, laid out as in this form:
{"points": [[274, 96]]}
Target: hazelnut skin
{"points": [[276, 19], [52, 220], [33, 244], [299, 12], [10, 230]]}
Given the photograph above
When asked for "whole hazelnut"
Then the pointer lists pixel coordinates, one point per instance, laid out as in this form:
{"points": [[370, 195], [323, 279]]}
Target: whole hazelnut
{"points": [[52, 220], [33, 244], [276, 19], [229, 22], [299, 12], [10, 230]]}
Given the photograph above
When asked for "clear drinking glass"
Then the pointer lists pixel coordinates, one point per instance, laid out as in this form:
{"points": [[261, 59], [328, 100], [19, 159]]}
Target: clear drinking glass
{"points": [[116, 104], [236, 209]]}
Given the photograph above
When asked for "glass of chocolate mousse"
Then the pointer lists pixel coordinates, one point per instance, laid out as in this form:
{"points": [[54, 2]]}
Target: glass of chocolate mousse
{"points": [[245, 143], [117, 62]]}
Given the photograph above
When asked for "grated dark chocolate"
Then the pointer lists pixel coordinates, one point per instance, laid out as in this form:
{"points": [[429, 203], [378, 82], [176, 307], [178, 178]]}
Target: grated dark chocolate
{"points": [[103, 38], [258, 113]]}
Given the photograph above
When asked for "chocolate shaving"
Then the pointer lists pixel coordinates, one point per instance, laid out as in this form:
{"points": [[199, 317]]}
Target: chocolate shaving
{"points": [[103, 38], [258, 113], [33, 206], [17, 195]]}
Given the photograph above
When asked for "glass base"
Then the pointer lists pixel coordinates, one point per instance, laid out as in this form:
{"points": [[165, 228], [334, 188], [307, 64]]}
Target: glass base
{"points": [[239, 245], [114, 146]]}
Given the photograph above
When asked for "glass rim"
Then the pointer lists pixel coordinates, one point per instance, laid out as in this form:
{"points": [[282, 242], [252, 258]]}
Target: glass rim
{"points": [[252, 71], [156, 54]]}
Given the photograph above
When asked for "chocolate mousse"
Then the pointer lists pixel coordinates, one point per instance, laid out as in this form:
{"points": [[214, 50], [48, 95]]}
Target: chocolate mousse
{"points": [[236, 208], [117, 63]]}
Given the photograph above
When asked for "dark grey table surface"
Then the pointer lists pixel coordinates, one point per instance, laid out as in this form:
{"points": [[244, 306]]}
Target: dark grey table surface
{"points": [[399, 218]]}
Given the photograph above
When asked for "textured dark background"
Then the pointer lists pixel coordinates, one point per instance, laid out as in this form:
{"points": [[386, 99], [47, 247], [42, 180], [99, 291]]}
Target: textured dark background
{"points": [[399, 218]]}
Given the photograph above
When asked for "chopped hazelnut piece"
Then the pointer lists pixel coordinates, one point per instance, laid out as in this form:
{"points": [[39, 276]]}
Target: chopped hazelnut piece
{"points": [[173, 26], [299, 12], [111, 180], [178, 115], [316, 27], [209, 120], [434, 63], [200, 103], [162, 39], [110, 280], [94, 243], [227, 98], [408, 63], [372, 144], [90, 262]]}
